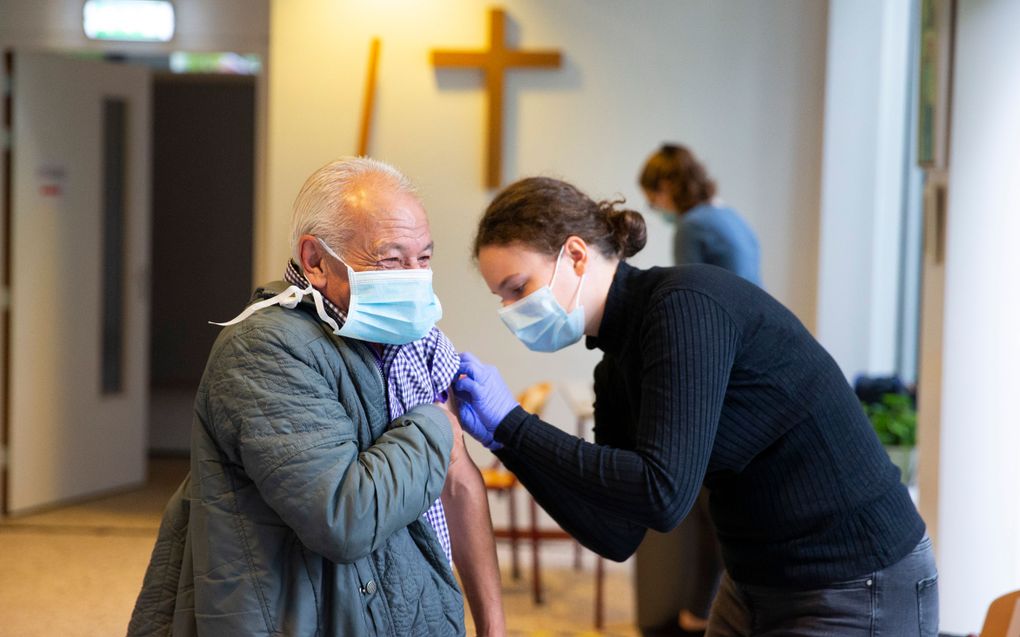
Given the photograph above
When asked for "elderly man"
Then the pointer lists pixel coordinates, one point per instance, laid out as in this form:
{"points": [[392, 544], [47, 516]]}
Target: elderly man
{"points": [[323, 453]]}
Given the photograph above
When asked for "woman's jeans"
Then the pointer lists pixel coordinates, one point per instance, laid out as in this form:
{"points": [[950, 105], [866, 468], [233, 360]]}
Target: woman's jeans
{"points": [[899, 600]]}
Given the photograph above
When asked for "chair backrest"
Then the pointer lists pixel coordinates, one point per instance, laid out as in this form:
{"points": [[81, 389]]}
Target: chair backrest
{"points": [[534, 397], [1003, 618], [532, 400], [580, 396]]}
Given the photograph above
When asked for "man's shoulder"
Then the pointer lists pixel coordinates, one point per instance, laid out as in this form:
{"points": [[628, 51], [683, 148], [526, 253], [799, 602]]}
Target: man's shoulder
{"points": [[285, 327], [276, 333]]}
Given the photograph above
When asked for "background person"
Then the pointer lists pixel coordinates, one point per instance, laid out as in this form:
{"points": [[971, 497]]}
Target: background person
{"points": [[678, 187]]}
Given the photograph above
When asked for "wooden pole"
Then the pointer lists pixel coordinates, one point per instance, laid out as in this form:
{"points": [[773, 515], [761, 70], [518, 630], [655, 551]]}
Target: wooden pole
{"points": [[369, 99]]}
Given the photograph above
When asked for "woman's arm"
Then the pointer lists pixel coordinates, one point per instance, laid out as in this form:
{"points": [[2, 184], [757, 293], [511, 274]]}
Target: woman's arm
{"points": [[688, 344], [597, 529]]}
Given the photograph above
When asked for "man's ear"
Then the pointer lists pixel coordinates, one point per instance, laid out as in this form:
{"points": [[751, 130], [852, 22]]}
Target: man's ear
{"points": [[577, 248], [312, 263]]}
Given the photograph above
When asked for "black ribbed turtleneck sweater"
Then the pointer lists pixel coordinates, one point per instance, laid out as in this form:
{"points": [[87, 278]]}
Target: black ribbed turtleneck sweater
{"points": [[706, 379]]}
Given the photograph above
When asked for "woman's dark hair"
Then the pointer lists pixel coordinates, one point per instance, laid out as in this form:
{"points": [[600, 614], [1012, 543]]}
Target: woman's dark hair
{"points": [[685, 177], [541, 213]]}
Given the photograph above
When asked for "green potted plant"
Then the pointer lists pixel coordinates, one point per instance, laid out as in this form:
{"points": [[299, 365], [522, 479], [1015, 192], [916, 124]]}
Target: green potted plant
{"points": [[895, 421]]}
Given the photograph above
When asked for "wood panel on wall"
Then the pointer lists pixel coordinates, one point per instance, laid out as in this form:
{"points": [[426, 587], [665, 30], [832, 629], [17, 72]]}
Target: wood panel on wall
{"points": [[203, 198]]}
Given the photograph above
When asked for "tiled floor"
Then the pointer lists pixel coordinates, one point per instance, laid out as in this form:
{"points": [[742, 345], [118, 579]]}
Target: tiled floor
{"points": [[75, 572]]}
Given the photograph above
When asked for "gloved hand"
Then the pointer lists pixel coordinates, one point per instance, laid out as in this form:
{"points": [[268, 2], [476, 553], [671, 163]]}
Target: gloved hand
{"points": [[483, 399]]}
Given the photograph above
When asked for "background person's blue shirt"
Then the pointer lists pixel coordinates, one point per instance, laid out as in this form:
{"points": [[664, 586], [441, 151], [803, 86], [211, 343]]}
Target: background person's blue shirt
{"points": [[718, 236]]}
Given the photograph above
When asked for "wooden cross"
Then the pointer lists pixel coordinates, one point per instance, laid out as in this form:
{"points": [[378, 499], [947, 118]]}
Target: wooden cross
{"points": [[494, 62]]}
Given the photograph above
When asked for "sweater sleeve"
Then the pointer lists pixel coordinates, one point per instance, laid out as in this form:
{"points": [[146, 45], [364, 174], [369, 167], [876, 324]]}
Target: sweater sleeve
{"points": [[612, 536], [687, 346]]}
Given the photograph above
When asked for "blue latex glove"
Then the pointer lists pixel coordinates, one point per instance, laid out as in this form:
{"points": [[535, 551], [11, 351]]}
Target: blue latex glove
{"points": [[483, 399]]}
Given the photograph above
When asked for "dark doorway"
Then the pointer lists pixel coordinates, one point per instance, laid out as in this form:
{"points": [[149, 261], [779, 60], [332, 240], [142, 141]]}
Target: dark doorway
{"points": [[203, 186]]}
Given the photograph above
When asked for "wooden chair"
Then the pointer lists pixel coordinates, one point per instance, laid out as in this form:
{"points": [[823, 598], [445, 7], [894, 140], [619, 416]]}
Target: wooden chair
{"points": [[1003, 617], [580, 397], [501, 481]]}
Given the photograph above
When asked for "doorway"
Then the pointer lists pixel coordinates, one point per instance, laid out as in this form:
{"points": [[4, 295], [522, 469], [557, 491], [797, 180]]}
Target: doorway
{"points": [[203, 184], [182, 258], [76, 229]]}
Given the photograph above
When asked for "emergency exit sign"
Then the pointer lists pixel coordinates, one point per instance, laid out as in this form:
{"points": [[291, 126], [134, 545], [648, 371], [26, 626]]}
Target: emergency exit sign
{"points": [[129, 20]]}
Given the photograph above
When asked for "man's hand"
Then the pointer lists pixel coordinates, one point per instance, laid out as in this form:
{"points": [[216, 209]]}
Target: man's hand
{"points": [[458, 435]]}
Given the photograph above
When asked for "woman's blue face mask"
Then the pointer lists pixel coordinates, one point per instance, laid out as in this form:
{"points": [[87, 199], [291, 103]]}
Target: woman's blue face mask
{"points": [[394, 307], [540, 322]]}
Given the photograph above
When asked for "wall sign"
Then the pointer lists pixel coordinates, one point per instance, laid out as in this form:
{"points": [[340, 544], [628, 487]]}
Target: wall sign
{"points": [[129, 20]]}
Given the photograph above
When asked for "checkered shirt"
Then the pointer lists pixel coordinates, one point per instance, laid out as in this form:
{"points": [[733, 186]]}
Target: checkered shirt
{"points": [[416, 373]]}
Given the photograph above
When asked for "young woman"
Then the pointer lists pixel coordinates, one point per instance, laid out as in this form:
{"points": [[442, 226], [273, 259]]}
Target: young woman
{"points": [[705, 379]]}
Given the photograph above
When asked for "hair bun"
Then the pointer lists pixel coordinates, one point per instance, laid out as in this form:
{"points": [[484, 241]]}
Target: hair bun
{"points": [[627, 228]]}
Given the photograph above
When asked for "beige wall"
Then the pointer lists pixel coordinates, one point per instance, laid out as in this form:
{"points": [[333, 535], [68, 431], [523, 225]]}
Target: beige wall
{"points": [[741, 82]]}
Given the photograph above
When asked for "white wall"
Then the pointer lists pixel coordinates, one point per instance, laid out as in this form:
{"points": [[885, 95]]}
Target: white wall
{"points": [[979, 477], [741, 82], [862, 182]]}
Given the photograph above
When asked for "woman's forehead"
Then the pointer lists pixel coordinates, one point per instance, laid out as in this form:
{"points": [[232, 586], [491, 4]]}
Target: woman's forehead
{"points": [[507, 259]]}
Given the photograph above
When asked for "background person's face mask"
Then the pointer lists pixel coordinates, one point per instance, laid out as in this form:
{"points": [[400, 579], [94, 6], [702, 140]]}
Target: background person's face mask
{"points": [[540, 322], [394, 307], [666, 215]]}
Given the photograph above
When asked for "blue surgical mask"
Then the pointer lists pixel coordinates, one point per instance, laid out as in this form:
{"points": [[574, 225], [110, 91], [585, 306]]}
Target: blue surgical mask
{"points": [[540, 322], [394, 307], [666, 215]]}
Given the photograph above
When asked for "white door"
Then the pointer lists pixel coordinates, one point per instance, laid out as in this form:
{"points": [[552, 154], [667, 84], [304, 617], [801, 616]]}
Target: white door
{"points": [[79, 240]]}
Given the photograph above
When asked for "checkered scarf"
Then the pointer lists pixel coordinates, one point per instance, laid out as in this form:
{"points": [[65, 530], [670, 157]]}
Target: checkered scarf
{"points": [[417, 373]]}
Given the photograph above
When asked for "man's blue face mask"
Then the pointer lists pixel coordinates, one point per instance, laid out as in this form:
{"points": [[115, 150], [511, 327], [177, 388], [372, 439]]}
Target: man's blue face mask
{"points": [[394, 307]]}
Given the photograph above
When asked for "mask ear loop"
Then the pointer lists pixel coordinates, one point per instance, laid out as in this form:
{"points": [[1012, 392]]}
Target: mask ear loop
{"points": [[576, 299], [331, 252], [556, 270], [577, 295]]}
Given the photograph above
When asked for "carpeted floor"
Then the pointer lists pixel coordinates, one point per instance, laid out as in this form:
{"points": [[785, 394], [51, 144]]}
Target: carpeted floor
{"points": [[75, 572]]}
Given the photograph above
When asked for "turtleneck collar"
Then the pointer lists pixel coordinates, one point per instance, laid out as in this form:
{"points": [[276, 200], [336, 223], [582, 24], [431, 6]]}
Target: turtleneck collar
{"points": [[621, 301]]}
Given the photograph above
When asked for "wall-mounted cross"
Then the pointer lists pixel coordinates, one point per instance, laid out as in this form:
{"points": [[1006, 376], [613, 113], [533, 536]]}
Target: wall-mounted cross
{"points": [[494, 62]]}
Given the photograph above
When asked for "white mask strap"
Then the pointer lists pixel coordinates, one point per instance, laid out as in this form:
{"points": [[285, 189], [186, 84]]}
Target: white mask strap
{"points": [[577, 295], [580, 284], [321, 311], [331, 252], [556, 269], [289, 299]]}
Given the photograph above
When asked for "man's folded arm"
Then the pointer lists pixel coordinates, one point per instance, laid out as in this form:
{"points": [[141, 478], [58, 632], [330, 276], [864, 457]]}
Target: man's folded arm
{"points": [[299, 447]]}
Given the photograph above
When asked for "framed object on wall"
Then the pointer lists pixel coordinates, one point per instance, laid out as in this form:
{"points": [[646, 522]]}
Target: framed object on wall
{"points": [[936, 82]]}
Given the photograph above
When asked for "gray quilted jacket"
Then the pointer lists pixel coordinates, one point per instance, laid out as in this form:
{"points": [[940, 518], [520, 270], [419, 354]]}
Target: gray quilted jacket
{"points": [[303, 511]]}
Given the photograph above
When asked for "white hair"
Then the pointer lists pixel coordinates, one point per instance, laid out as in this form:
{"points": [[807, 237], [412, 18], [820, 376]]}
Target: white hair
{"points": [[322, 207]]}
